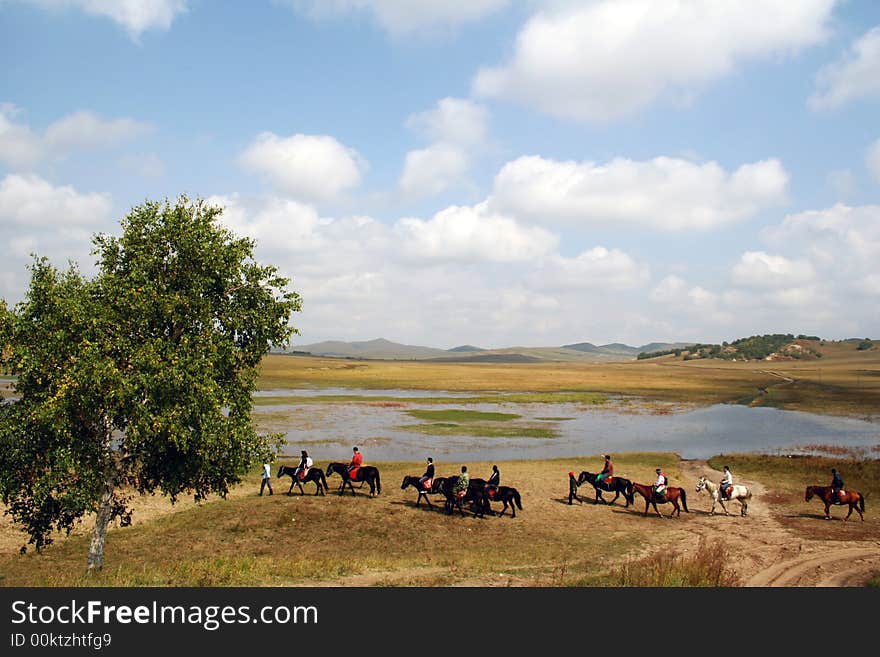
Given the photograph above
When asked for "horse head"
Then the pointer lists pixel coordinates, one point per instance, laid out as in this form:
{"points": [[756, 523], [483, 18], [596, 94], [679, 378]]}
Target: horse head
{"points": [[585, 476], [280, 471], [702, 484], [809, 494], [408, 480]]}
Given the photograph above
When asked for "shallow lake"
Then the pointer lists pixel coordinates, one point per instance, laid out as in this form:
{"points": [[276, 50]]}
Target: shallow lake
{"points": [[329, 430]]}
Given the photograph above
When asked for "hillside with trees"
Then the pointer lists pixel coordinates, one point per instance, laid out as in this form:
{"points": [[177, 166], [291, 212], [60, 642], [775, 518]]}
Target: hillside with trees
{"points": [[775, 346]]}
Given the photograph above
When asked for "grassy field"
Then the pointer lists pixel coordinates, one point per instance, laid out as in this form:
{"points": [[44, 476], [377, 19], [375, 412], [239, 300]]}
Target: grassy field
{"points": [[356, 540], [844, 381]]}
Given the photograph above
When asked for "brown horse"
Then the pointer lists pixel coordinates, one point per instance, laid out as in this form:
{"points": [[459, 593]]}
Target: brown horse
{"points": [[672, 494], [854, 498]]}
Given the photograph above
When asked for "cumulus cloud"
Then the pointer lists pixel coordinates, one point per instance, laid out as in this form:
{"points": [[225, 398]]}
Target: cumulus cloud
{"points": [[308, 166], [429, 171], [457, 127], [473, 233], [136, 16], [21, 147], [854, 76], [403, 17], [757, 269], [598, 268], [28, 200], [453, 121], [604, 60], [664, 193]]}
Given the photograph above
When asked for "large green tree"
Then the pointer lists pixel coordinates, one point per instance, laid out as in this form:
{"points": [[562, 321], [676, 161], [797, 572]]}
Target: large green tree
{"points": [[138, 379]]}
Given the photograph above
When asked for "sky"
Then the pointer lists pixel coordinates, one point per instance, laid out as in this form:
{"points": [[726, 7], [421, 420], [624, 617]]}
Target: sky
{"points": [[489, 172]]}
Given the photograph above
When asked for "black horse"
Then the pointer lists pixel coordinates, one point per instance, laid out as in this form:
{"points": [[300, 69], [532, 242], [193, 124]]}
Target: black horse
{"points": [[618, 486], [476, 494], [416, 482], [314, 474], [365, 474], [508, 495]]}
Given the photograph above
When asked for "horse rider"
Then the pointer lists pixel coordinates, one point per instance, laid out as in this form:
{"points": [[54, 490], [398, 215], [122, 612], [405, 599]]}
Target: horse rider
{"points": [[461, 486], [726, 483], [427, 478], [660, 484], [836, 485], [305, 462], [607, 471], [493, 482], [356, 460]]}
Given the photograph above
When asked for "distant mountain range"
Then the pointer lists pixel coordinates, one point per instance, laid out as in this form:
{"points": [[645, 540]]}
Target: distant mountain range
{"points": [[386, 350]]}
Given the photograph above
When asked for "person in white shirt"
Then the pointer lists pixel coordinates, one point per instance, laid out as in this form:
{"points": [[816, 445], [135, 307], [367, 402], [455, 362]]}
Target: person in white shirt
{"points": [[726, 480], [267, 479], [660, 484], [305, 462]]}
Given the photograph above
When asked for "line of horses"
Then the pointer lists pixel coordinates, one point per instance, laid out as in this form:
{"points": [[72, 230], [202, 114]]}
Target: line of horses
{"points": [[479, 496], [673, 495]]}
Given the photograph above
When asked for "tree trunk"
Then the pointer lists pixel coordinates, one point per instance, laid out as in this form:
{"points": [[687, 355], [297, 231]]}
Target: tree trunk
{"points": [[99, 534]]}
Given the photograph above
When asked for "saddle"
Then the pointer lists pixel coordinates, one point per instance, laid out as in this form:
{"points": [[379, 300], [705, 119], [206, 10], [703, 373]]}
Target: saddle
{"points": [[838, 498], [429, 484], [725, 492], [352, 474], [303, 473]]}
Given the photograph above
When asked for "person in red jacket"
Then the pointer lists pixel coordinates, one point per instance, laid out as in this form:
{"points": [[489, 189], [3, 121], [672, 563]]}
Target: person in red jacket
{"points": [[356, 460], [607, 471]]}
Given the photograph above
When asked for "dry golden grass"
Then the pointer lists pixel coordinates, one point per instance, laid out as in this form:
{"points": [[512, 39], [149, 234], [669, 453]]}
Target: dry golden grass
{"points": [[845, 381]]}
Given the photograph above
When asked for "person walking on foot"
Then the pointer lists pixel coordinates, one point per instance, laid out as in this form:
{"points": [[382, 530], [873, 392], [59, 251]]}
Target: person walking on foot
{"points": [[267, 479]]}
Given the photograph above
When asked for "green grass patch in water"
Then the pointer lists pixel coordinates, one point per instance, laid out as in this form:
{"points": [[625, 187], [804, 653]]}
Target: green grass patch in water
{"points": [[462, 415], [480, 431]]}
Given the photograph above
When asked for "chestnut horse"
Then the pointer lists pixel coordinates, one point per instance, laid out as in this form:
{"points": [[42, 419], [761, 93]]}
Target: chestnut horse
{"points": [[854, 498], [672, 495]]}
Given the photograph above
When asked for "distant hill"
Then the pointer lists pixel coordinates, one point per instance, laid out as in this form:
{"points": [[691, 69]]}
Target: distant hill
{"points": [[379, 348], [771, 346], [383, 349]]}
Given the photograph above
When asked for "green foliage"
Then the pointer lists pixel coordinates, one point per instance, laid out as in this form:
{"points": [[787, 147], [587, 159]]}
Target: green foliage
{"points": [[865, 344], [140, 378]]}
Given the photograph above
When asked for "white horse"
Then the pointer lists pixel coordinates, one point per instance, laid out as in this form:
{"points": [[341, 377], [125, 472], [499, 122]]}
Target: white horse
{"points": [[739, 493]]}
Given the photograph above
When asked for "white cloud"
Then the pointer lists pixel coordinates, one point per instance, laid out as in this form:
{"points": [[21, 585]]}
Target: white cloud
{"points": [[760, 270], [872, 160], [28, 200], [23, 148], [401, 17], [596, 268], [664, 193], [310, 166], [473, 233], [136, 16], [854, 76], [457, 128], [429, 171], [604, 60], [88, 130], [453, 121]]}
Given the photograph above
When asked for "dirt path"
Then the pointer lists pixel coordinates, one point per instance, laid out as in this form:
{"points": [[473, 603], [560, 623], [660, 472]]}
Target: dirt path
{"points": [[773, 556]]}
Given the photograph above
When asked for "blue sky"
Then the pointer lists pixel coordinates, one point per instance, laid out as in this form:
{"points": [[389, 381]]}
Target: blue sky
{"points": [[494, 172]]}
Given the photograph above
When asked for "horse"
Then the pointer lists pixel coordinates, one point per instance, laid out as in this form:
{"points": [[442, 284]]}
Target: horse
{"points": [[508, 495], [854, 498], [314, 474], [416, 482], [617, 486], [672, 494], [739, 493], [366, 474], [476, 494]]}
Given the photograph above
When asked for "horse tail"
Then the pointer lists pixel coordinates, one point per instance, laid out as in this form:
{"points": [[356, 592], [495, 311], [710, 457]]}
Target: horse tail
{"points": [[684, 500], [323, 479], [518, 500], [378, 483], [861, 503]]}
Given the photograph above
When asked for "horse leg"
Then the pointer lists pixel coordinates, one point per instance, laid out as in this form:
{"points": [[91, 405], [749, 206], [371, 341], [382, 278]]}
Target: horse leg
{"points": [[292, 482], [827, 511], [848, 514]]}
